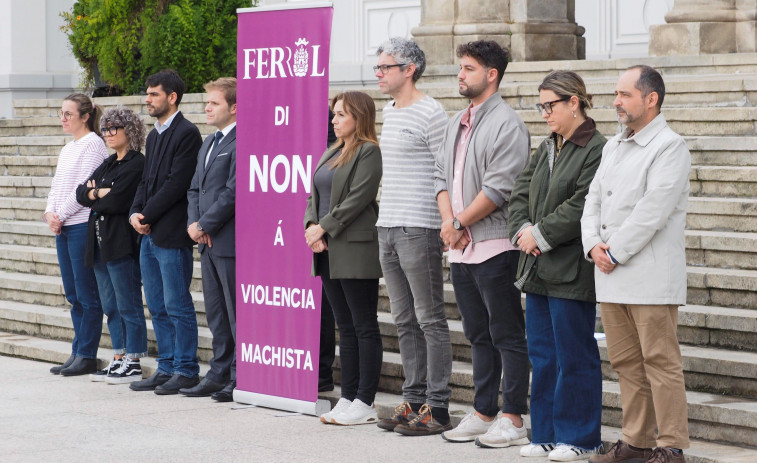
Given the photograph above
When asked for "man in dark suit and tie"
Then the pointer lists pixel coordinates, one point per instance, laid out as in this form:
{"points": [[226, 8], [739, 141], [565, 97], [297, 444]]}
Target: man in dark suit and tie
{"points": [[211, 224], [159, 215]]}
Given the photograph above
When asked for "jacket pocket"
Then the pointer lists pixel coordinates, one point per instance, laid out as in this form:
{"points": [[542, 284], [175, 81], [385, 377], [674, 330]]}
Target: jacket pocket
{"points": [[361, 235], [560, 265]]}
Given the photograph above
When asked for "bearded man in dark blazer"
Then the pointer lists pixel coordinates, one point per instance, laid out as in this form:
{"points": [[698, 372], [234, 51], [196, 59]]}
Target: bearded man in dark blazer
{"points": [[211, 224], [159, 215]]}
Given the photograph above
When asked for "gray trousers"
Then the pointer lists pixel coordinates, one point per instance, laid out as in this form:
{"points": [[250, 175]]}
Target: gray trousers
{"points": [[218, 286], [411, 259]]}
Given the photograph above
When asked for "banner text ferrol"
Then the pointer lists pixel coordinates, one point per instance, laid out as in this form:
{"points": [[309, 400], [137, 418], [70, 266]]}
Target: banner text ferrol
{"points": [[282, 93]]}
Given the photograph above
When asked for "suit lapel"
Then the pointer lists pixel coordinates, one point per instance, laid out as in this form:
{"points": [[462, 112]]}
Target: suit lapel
{"points": [[225, 141], [342, 178]]}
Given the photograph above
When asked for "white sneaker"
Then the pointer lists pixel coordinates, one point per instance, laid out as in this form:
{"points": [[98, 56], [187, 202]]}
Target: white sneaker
{"points": [[357, 413], [536, 450], [503, 433], [340, 406], [470, 427], [569, 453]]}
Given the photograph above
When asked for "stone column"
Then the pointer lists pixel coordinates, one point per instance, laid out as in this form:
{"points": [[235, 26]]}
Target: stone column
{"points": [[532, 29], [696, 27]]}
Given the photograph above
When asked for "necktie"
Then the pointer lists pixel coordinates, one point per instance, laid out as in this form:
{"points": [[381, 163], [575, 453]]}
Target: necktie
{"points": [[218, 137]]}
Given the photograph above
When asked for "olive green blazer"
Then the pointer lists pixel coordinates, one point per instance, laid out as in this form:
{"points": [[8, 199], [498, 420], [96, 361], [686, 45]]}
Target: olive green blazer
{"points": [[351, 221]]}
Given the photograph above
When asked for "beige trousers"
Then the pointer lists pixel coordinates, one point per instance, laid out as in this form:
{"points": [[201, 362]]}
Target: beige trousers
{"points": [[643, 350]]}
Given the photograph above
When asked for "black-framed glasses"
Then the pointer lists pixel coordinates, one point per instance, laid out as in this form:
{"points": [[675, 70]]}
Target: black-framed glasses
{"points": [[547, 106], [110, 130], [65, 115], [384, 68]]}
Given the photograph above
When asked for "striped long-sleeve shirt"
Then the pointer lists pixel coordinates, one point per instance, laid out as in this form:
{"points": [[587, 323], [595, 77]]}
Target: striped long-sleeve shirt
{"points": [[76, 162], [410, 138]]}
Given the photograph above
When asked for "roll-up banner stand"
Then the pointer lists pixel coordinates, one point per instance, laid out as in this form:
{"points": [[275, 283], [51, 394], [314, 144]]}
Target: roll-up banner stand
{"points": [[282, 96]]}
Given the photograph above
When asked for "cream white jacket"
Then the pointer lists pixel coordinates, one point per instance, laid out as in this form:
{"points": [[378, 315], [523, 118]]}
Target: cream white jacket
{"points": [[637, 205]]}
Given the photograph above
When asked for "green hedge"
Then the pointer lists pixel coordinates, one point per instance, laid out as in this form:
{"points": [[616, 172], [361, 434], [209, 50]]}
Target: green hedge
{"points": [[121, 42]]}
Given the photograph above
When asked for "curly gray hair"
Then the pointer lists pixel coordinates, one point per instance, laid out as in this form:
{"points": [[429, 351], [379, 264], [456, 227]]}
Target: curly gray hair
{"points": [[405, 51], [134, 127]]}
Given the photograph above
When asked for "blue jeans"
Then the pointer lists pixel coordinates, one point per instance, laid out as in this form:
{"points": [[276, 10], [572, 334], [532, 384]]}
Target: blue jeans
{"points": [[566, 385], [493, 323], [166, 274], [411, 260], [121, 295], [80, 287]]}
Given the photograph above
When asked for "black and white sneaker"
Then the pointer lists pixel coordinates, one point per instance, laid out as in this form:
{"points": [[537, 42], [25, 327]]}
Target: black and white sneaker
{"points": [[130, 371], [100, 375]]}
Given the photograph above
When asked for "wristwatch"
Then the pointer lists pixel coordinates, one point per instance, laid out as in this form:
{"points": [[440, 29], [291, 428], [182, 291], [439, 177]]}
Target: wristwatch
{"points": [[456, 224]]}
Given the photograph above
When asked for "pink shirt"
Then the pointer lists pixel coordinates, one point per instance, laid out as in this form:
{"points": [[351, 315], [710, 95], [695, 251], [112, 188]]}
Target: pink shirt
{"points": [[474, 253], [76, 162]]}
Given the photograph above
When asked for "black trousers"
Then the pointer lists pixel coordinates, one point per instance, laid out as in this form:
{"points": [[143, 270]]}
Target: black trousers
{"points": [[355, 306]]}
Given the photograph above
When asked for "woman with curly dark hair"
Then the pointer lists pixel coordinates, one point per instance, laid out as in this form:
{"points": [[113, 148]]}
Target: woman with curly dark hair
{"points": [[112, 246]]}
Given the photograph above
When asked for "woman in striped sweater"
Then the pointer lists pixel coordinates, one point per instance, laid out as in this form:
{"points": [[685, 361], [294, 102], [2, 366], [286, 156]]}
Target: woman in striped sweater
{"points": [[68, 220]]}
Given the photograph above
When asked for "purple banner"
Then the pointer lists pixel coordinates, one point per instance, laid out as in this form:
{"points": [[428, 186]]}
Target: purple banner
{"points": [[282, 90]]}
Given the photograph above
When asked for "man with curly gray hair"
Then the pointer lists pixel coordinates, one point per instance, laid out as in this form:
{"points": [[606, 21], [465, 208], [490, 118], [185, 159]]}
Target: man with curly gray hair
{"points": [[410, 249]]}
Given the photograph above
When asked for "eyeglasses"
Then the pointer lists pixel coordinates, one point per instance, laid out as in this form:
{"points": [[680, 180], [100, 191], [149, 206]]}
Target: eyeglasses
{"points": [[384, 68], [547, 106], [65, 115], [111, 131]]}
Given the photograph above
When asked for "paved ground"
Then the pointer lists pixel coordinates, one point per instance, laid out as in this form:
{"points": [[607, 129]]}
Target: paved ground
{"points": [[48, 418]]}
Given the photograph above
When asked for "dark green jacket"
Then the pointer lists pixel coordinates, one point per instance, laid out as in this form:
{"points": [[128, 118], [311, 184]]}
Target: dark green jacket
{"points": [[351, 221], [553, 203]]}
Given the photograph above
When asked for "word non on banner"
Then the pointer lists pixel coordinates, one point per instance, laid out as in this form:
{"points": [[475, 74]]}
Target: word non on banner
{"points": [[282, 93]]}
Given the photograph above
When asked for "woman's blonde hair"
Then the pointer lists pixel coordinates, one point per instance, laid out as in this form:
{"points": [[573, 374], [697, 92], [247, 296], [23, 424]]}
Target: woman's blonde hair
{"points": [[361, 107], [567, 84]]}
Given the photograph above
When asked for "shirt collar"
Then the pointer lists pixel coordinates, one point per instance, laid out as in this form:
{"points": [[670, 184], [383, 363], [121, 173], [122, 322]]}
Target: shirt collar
{"points": [[227, 129], [646, 134], [583, 133], [163, 127]]}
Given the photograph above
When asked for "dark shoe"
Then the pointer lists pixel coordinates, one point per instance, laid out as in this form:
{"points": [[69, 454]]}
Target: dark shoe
{"points": [[422, 425], [56, 369], [325, 387], [204, 389], [622, 452], [177, 382], [80, 366], [150, 383], [226, 394], [100, 375], [403, 413], [665, 455]]}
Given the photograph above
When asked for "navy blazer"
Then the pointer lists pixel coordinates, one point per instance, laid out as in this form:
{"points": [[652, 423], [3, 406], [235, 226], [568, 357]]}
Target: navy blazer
{"points": [[211, 195], [170, 161]]}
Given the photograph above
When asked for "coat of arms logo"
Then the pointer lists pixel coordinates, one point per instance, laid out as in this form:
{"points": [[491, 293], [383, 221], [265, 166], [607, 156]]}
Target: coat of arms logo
{"points": [[301, 58]]}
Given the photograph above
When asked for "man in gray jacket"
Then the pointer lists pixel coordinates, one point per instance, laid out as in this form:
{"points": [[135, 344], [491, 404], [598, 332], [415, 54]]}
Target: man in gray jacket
{"points": [[633, 230], [211, 224], [485, 148]]}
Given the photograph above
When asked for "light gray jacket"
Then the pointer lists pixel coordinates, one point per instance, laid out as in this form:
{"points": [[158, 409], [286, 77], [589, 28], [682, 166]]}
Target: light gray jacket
{"points": [[637, 205], [498, 149]]}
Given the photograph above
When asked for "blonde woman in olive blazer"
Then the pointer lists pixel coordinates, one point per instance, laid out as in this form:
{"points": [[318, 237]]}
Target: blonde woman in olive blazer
{"points": [[342, 234]]}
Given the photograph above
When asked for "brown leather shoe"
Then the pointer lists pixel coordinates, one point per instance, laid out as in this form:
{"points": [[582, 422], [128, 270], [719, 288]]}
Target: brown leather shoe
{"points": [[622, 452], [423, 424], [403, 414], [665, 455]]}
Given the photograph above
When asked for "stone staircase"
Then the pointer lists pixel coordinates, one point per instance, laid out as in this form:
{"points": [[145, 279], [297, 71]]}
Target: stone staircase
{"points": [[710, 100]]}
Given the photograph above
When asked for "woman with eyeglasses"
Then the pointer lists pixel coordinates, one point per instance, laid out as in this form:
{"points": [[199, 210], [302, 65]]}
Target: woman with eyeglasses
{"points": [[545, 214], [112, 245], [340, 228], [68, 220]]}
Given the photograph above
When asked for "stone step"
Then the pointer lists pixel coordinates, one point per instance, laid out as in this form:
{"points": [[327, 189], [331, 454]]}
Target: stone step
{"points": [[726, 214], [53, 351], [724, 181], [28, 187], [722, 287], [721, 249], [22, 208]]}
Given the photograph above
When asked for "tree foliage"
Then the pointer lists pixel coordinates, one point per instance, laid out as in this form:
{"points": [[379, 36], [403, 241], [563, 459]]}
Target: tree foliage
{"points": [[121, 42]]}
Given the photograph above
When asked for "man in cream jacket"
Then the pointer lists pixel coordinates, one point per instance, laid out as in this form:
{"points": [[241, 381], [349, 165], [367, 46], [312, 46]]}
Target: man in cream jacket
{"points": [[633, 230]]}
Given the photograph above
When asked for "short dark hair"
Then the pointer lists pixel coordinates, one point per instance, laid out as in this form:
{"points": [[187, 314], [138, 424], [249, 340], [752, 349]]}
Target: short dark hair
{"points": [[170, 81], [488, 53], [650, 81]]}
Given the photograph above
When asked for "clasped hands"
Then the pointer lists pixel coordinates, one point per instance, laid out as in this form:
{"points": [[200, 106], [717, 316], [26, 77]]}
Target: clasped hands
{"points": [[199, 236], [314, 238], [454, 239], [527, 243], [599, 254]]}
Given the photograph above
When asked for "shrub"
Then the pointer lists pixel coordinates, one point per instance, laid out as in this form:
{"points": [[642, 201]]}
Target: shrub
{"points": [[124, 41]]}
